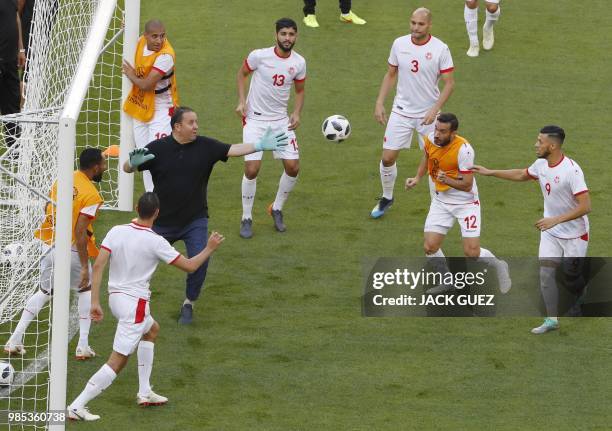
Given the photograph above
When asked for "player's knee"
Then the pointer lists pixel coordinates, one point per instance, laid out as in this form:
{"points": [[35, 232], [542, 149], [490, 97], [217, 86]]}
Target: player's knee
{"points": [[292, 171], [492, 7], [388, 160], [251, 172], [152, 334], [471, 250], [472, 4]]}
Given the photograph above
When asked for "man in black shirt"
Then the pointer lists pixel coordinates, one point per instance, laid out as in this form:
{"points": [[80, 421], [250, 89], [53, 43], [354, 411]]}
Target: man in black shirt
{"points": [[12, 56], [180, 165]]}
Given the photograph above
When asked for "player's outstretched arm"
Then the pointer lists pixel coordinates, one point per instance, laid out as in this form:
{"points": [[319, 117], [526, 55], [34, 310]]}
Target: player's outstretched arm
{"points": [[193, 263], [386, 85], [272, 140], [137, 157], [583, 208], [506, 174], [96, 280]]}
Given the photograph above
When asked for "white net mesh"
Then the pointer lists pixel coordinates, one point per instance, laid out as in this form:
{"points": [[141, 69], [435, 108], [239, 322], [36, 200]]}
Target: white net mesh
{"points": [[28, 169]]}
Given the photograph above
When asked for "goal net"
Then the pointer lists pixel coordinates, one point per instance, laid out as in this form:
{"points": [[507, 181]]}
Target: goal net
{"points": [[66, 35]]}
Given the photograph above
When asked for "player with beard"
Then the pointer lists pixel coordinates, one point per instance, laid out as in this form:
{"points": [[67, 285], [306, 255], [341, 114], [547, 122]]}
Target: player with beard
{"points": [[86, 201], [448, 159], [564, 229], [275, 70]]}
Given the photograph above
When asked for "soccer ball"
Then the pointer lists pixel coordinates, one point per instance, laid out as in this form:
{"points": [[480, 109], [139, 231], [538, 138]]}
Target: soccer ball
{"points": [[6, 374], [12, 253], [336, 128]]}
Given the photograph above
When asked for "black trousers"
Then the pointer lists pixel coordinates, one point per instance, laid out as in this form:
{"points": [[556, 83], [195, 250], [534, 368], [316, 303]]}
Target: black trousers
{"points": [[9, 98], [309, 6]]}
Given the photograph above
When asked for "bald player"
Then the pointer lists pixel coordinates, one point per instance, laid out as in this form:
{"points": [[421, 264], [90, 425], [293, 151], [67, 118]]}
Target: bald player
{"points": [[417, 62], [154, 93]]}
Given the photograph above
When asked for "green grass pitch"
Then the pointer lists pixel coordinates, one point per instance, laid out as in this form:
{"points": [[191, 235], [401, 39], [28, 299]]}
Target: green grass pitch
{"points": [[278, 341]]}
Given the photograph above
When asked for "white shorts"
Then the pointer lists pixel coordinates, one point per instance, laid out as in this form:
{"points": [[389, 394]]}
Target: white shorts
{"points": [[46, 269], [134, 320], [158, 127], [398, 135], [441, 218], [554, 247], [253, 130]]}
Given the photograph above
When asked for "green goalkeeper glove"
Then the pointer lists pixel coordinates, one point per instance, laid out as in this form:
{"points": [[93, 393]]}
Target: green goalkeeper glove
{"points": [[139, 156], [272, 141]]}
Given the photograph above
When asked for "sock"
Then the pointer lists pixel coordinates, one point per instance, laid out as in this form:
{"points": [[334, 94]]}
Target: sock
{"points": [[248, 196], [550, 292], [285, 185], [488, 257], [147, 181], [492, 18], [438, 262], [145, 365], [84, 318], [387, 178], [31, 310], [471, 24], [96, 384]]}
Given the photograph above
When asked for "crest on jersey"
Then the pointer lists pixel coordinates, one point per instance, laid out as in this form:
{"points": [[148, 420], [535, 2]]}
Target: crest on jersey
{"points": [[291, 70], [429, 56], [557, 179]]}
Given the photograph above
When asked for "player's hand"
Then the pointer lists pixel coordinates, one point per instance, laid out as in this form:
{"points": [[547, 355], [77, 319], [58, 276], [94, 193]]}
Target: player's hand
{"points": [[84, 281], [21, 60], [410, 183], [241, 110], [128, 70], [380, 114], [430, 117], [546, 223], [272, 140], [294, 121], [215, 240], [442, 176], [139, 156], [477, 169], [95, 312]]}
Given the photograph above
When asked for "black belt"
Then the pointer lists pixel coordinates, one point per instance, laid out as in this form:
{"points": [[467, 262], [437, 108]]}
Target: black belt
{"points": [[163, 90]]}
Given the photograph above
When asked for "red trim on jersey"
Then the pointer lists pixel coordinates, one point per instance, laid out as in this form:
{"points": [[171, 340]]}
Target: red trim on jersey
{"points": [[465, 172], [246, 64], [579, 193], [243, 121], [420, 44], [585, 237], [140, 225], [450, 69], [140, 310], [106, 248], [280, 56], [527, 170], [558, 163], [159, 70], [175, 259], [90, 217], [394, 65], [300, 80]]}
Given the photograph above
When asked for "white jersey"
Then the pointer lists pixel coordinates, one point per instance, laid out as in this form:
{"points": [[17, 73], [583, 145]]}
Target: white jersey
{"points": [[135, 252], [164, 64], [560, 185], [419, 70], [271, 84]]}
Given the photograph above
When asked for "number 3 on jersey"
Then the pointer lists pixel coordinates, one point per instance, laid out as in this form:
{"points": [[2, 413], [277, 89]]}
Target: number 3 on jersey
{"points": [[415, 66], [279, 80]]}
